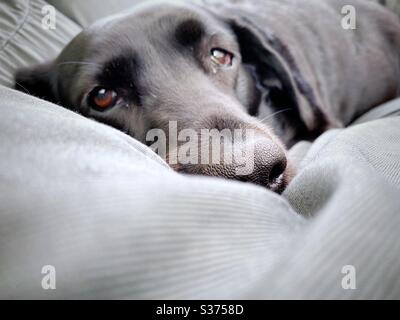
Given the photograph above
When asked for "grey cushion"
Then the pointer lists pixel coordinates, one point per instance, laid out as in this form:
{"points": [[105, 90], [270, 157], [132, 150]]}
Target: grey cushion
{"points": [[392, 5], [23, 40], [116, 222], [85, 12], [86, 198]]}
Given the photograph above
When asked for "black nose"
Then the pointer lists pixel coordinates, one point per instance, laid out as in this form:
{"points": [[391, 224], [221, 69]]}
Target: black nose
{"points": [[277, 170], [269, 166]]}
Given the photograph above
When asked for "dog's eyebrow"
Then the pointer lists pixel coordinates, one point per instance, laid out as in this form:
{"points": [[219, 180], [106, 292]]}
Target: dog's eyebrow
{"points": [[189, 32]]}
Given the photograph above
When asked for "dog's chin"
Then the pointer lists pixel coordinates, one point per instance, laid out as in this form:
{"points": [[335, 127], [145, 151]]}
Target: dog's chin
{"points": [[284, 180], [278, 186]]}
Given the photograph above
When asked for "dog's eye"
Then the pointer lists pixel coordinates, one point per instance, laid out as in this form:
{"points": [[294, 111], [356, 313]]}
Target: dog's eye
{"points": [[221, 57], [102, 99]]}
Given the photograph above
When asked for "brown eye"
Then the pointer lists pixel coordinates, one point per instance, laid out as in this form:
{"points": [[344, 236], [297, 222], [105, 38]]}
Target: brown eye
{"points": [[222, 57], [102, 99]]}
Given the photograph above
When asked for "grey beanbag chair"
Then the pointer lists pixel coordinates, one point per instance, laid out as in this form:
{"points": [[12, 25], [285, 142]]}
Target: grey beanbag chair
{"points": [[115, 222]]}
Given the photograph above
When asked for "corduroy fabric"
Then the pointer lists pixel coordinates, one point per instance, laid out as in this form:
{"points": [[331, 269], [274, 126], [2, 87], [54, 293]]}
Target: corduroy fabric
{"points": [[86, 12], [117, 223], [23, 40]]}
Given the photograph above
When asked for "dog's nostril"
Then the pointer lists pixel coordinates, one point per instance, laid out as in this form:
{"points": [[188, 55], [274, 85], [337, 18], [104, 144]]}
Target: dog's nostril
{"points": [[277, 170]]}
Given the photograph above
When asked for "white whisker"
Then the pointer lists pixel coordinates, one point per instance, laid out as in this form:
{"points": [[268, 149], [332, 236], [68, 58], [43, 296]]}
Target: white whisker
{"points": [[274, 114], [79, 63], [26, 90]]}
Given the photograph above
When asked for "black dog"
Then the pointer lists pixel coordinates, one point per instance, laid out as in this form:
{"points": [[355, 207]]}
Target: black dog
{"points": [[218, 65]]}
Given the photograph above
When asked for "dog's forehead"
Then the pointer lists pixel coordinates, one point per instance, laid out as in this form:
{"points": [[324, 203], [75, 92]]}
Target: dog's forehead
{"points": [[147, 35], [156, 21]]}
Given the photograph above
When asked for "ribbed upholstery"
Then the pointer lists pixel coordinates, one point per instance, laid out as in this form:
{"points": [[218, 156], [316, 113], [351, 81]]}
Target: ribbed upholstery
{"points": [[23, 40], [85, 12], [117, 223]]}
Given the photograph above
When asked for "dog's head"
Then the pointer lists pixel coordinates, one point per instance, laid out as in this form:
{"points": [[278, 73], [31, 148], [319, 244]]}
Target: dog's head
{"points": [[168, 63]]}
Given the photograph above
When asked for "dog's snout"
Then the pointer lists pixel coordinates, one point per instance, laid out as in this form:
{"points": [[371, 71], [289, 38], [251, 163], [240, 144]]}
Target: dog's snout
{"points": [[241, 150], [263, 163]]}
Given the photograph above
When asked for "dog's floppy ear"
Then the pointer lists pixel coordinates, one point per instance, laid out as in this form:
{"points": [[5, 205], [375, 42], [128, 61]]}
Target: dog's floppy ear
{"points": [[288, 87], [287, 80], [38, 81]]}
